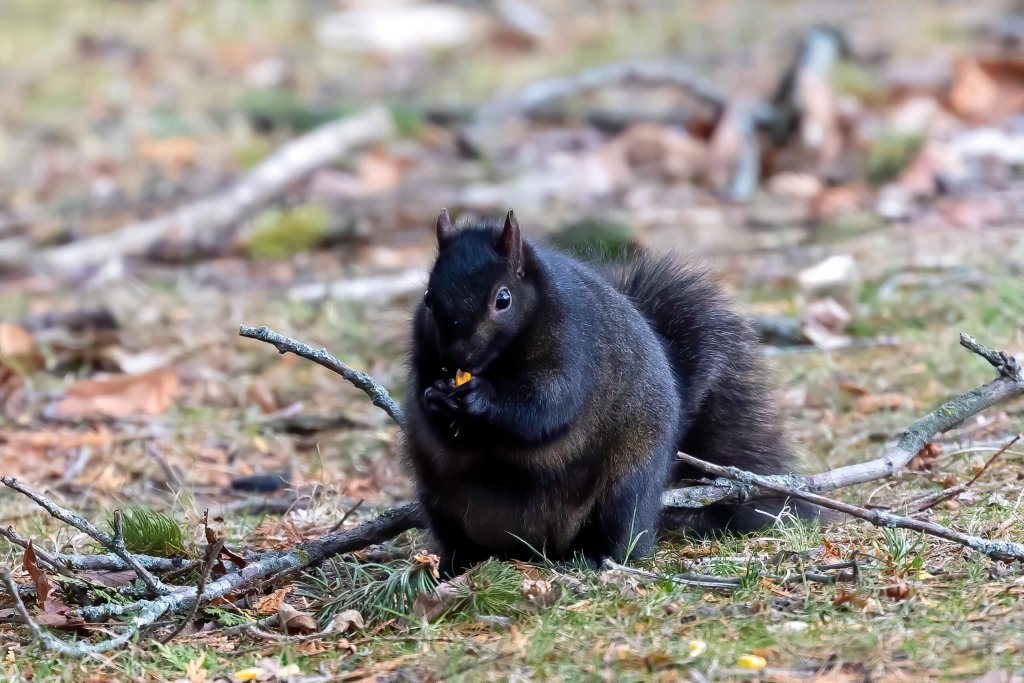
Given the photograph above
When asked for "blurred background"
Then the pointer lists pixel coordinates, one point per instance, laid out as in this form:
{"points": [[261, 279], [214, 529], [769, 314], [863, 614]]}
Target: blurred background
{"points": [[170, 170]]}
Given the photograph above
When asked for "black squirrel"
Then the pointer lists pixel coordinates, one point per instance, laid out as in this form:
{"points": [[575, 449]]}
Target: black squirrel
{"points": [[583, 382]]}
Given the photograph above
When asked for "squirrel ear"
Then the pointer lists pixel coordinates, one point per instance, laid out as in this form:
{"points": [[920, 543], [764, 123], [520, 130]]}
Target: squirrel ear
{"points": [[444, 228], [511, 244]]}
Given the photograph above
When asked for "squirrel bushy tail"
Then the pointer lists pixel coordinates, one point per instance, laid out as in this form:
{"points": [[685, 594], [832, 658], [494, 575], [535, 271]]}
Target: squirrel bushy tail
{"points": [[728, 415]]}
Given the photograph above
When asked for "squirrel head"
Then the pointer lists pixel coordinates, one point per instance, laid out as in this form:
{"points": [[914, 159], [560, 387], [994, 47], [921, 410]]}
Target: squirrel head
{"points": [[480, 294]]}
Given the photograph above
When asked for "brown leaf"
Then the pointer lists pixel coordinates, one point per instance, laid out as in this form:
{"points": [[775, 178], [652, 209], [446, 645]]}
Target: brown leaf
{"points": [[900, 591], [170, 153], [381, 171], [872, 403], [854, 599], [833, 202], [290, 619], [349, 619], [853, 389], [430, 560], [112, 579], [269, 604], [432, 604], [925, 458], [39, 579], [540, 593], [663, 152], [119, 396], [987, 90], [15, 341], [53, 611]]}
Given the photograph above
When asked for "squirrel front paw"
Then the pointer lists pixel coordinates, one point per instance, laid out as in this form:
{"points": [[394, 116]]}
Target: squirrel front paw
{"points": [[437, 400], [476, 397]]}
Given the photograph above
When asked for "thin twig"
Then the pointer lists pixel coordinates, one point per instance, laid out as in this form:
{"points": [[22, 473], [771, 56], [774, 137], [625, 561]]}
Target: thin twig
{"points": [[379, 396], [49, 560], [106, 562], [383, 527], [212, 553], [687, 579], [150, 613], [1009, 384], [344, 517], [113, 543], [931, 501], [997, 550]]}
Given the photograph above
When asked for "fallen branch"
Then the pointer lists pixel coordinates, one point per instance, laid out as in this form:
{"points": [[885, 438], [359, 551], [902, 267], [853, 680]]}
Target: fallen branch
{"points": [[538, 96], [212, 554], [1010, 383], [215, 217], [998, 550], [379, 396], [687, 579], [62, 563], [931, 501], [383, 527], [113, 543], [148, 615]]}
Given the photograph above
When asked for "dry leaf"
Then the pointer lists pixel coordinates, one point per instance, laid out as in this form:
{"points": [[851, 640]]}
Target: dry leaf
{"points": [[432, 604], [170, 153], [15, 341], [381, 171], [900, 591], [268, 604], [825, 324], [195, 672], [833, 202], [540, 593], [669, 154], [112, 579], [872, 403], [119, 396], [39, 579], [987, 90], [431, 560], [293, 621], [349, 619], [925, 458]]}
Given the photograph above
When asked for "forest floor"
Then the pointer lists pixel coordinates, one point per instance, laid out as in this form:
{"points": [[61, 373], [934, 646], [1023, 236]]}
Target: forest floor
{"points": [[111, 112]]}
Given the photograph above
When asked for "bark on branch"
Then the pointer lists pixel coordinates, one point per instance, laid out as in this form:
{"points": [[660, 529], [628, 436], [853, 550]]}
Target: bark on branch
{"points": [[1009, 384]]}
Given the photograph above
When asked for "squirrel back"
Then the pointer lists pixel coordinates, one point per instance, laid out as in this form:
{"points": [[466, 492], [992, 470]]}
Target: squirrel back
{"points": [[728, 416]]}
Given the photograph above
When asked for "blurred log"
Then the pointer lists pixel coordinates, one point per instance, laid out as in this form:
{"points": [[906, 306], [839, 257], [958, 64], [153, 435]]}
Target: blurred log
{"points": [[214, 219]]}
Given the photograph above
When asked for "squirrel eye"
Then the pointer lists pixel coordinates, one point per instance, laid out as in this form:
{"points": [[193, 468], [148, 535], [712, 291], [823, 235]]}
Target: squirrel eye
{"points": [[503, 299], [426, 298]]}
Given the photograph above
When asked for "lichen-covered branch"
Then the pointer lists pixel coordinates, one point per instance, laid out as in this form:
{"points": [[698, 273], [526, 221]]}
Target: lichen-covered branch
{"points": [[998, 550], [367, 384], [1009, 384], [113, 543], [150, 612], [383, 527]]}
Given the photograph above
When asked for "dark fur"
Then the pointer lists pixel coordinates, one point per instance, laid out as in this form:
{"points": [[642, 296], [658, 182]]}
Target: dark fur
{"points": [[583, 391]]}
